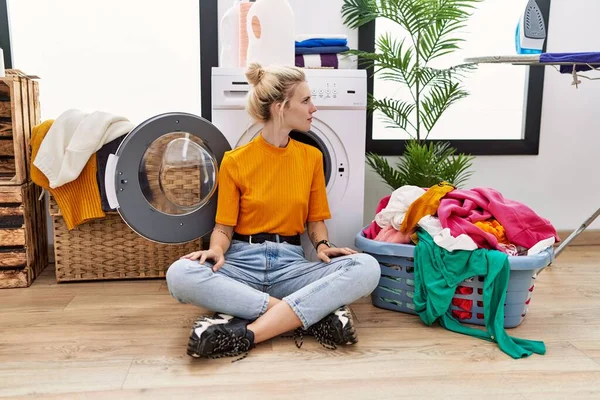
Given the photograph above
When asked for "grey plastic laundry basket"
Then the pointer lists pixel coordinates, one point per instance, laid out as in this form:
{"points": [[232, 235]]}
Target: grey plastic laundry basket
{"points": [[396, 287]]}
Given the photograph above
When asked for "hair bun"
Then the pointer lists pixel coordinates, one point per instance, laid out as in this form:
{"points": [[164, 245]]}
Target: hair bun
{"points": [[255, 73]]}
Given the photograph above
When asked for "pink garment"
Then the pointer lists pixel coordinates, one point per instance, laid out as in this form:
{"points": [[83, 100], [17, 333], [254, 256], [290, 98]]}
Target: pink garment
{"points": [[460, 209], [391, 235], [373, 230]]}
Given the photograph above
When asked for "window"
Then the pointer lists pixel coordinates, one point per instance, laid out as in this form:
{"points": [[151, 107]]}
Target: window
{"points": [[501, 116]]}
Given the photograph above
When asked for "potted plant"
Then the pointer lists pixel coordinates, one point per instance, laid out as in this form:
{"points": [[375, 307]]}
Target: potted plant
{"points": [[431, 26]]}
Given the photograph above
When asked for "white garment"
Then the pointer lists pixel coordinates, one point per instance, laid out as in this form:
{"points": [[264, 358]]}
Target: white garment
{"points": [[394, 213], [541, 245], [442, 236], [72, 139]]}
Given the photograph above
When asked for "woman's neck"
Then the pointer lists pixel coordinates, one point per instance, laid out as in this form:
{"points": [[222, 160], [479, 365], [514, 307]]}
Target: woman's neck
{"points": [[274, 136]]}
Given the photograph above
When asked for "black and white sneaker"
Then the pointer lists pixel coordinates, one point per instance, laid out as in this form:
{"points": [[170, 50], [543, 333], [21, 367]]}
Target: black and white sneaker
{"points": [[220, 336], [335, 329]]}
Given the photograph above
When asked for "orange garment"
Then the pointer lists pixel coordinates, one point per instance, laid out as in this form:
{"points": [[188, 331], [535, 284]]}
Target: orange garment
{"points": [[427, 204], [78, 200], [263, 188], [492, 226]]}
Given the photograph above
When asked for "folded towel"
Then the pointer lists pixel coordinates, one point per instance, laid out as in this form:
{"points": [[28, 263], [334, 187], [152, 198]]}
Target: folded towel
{"points": [[322, 50], [307, 36], [321, 42], [336, 61], [71, 141]]}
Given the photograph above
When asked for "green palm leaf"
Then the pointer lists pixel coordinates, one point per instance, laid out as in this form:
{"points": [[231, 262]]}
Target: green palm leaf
{"points": [[432, 27], [438, 100], [397, 112]]}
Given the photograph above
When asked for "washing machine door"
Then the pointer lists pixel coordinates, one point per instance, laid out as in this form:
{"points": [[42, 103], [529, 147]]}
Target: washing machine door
{"points": [[163, 178]]}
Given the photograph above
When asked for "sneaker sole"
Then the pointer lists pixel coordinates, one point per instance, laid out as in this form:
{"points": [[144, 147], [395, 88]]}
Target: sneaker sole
{"points": [[349, 332], [193, 347], [193, 343]]}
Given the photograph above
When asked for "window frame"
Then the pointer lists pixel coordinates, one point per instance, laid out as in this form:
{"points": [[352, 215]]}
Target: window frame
{"points": [[5, 34], [528, 145]]}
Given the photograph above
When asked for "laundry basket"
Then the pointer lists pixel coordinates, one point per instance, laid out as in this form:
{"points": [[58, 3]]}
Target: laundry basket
{"points": [[396, 287]]}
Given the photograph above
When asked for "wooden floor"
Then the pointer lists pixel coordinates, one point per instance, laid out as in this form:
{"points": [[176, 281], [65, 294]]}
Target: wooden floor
{"points": [[127, 340]]}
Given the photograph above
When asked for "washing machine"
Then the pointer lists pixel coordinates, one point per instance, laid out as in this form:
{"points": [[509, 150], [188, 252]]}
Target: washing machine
{"points": [[163, 178]]}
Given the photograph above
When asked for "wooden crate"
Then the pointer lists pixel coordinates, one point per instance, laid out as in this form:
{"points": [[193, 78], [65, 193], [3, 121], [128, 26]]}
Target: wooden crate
{"points": [[19, 113], [106, 249], [23, 235]]}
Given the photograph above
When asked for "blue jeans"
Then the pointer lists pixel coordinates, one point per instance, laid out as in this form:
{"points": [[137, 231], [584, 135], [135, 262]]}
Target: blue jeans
{"points": [[253, 272]]}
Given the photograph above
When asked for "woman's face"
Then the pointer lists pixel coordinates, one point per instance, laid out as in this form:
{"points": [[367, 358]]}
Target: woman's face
{"points": [[300, 108]]}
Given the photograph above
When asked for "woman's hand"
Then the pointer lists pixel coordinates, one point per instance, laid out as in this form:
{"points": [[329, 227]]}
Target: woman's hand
{"points": [[211, 254], [326, 253]]}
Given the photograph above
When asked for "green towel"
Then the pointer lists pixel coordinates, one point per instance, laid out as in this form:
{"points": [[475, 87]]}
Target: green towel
{"points": [[437, 274]]}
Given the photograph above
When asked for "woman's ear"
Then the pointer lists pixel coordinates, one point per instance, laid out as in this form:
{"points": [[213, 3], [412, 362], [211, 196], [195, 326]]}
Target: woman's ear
{"points": [[276, 108]]}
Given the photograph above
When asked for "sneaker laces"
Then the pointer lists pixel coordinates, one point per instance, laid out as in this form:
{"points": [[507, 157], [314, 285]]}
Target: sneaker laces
{"points": [[230, 345], [320, 333]]}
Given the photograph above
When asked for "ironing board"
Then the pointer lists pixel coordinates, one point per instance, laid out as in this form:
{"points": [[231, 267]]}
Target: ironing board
{"points": [[573, 63]]}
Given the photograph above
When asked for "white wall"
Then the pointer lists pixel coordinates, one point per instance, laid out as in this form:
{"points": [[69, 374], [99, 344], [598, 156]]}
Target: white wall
{"points": [[135, 58]]}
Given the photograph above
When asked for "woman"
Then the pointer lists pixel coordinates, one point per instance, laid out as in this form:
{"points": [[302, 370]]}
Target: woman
{"points": [[255, 268]]}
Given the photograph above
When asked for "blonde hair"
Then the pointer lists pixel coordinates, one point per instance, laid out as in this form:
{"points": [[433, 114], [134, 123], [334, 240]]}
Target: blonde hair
{"points": [[270, 85]]}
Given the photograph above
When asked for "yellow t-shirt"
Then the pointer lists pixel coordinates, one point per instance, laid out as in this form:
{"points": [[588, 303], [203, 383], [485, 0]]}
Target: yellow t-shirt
{"points": [[263, 188]]}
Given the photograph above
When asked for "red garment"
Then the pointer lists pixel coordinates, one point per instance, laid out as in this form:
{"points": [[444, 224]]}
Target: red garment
{"points": [[463, 304], [461, 314], [464, 290], [373, 230], [460, 209]]}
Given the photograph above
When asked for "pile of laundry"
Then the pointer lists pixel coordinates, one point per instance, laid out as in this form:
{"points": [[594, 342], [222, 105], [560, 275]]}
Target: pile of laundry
{"points": [[462, 234], [461, 219], [68, 159], [323, 51]]}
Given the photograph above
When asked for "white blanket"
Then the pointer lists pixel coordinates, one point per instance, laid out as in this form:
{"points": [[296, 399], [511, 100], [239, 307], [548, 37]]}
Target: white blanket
{"points": [[71, 141], [394, 213]]}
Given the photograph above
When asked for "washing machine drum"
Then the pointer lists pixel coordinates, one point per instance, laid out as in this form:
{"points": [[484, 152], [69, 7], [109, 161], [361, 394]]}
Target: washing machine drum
{"points": [[314, 140], [164, 177]]}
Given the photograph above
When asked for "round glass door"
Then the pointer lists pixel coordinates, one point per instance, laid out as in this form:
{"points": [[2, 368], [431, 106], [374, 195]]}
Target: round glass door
{"points": [[178, 174], [166, 177]]}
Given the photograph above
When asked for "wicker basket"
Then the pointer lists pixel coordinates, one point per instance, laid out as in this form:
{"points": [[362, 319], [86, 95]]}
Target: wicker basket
{"points": [[108, 249]]}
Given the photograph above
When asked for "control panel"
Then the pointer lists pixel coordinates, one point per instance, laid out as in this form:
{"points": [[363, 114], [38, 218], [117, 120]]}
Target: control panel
{"points": [[329, 88], [339, 91]]}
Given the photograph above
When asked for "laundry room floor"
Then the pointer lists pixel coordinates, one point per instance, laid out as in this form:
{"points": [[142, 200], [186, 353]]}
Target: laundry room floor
{"points": [[127, 340]]}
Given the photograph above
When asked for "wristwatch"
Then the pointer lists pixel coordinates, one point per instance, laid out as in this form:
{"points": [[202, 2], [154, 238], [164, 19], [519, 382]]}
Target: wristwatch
{"points": [[324, 241]]}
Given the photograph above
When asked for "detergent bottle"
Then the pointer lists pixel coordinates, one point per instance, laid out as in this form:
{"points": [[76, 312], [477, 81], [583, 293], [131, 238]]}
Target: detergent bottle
{"points": [[271, 33], [531, 30], [229, 36]]}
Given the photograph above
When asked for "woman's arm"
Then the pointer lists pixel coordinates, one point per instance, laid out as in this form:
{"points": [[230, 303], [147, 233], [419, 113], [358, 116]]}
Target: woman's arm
{"points": [[220, 239], [317, 231]]}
